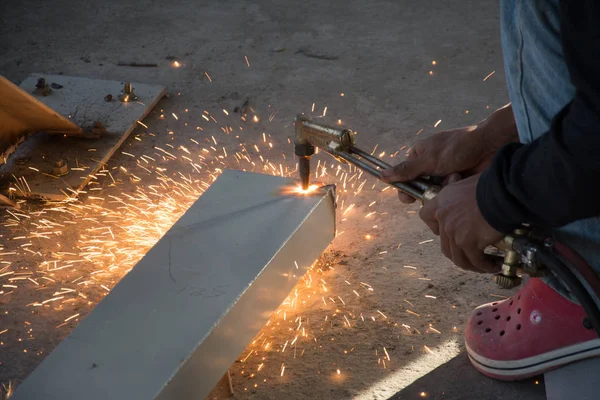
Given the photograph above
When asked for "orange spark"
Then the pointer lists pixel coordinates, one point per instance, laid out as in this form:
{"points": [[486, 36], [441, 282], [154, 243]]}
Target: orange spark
{"points": [[489, 75]]}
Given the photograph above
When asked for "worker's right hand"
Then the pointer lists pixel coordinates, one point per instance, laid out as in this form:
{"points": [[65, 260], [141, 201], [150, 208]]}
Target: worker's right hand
{"points": [[457, 153], [451, 154]]}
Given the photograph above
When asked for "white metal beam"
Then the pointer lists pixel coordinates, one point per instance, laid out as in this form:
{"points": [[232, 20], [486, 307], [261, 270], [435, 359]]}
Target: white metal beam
{"points": [[171, 328]]}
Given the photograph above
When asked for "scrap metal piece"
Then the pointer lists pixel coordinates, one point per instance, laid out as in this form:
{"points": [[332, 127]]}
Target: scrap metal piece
{"points": [[136, 64], [171, 328]]}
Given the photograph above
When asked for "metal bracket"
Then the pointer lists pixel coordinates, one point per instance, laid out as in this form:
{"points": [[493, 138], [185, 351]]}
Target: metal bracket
{"points": [[54, 123]]}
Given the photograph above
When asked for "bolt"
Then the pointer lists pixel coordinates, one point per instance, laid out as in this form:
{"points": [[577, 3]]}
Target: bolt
{"points": [[41, 89], [41, 83], [60, 168], [127, 94]]}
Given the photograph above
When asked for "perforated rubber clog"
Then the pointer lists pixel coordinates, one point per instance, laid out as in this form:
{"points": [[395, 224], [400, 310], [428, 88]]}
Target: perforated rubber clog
{"points": [[532, 332]]}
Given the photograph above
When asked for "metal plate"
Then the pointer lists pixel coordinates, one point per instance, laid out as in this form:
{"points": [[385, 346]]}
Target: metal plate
{"points": [[21, 113], [172, 327], [81, 100]]}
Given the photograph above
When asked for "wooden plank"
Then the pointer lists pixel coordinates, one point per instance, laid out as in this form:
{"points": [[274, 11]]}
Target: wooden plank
{"points": [[81, 100], [171, 328]]}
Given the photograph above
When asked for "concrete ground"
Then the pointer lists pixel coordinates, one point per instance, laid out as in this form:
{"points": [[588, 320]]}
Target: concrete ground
{"points": [[391, 70]]}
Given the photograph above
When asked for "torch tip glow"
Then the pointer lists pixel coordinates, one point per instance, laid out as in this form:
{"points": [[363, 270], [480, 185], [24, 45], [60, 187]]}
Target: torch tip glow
{"points": [[310, 189], [298, 189]]}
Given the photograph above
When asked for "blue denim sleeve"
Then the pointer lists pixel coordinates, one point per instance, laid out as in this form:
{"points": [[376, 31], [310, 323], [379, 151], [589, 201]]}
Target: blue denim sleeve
{"points": [[551, 181]]}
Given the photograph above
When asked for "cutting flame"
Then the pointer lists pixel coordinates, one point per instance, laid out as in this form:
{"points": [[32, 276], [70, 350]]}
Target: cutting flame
{"points": [[299, 191]]}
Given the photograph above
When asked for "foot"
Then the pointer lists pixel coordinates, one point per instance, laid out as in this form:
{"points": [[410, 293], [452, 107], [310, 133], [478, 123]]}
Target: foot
{"points": [[532, 332]]}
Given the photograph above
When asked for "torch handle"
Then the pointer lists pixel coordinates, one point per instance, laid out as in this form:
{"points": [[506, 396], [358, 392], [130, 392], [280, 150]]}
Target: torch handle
{"points": [[424, 190], [420, 189]]}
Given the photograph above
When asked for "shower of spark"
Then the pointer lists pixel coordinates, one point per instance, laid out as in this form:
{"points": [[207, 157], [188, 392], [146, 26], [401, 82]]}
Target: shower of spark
{"points": [[70, 254]]}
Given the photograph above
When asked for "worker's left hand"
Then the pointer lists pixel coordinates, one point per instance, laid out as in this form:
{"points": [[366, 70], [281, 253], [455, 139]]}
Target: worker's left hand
{"points": [[454, 215]]}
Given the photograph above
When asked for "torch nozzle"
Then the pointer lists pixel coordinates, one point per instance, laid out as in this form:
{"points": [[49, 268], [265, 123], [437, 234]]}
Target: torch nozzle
{"points": [[304, 171], [304, 150]]}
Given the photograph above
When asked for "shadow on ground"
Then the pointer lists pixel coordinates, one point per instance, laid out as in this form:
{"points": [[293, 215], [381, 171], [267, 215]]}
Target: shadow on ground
{"points": [[441, 384]]}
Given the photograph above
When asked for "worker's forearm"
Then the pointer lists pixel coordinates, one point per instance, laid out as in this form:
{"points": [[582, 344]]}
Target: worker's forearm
{"points": [[550, 182], [545, 183]]}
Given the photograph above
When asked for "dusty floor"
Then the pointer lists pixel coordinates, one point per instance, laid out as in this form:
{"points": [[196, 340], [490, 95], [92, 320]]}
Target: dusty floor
{"points": [[390, 70]]}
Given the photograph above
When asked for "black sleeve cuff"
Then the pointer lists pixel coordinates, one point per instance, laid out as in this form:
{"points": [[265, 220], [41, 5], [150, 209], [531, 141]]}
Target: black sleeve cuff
{"points": [[499, 208]]}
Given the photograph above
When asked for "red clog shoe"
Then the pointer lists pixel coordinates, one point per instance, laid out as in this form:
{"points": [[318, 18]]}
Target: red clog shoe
{"points": [[532, 332]]}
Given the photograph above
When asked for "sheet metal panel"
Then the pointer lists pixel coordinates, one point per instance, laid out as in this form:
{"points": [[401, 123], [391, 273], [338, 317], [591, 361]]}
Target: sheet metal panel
{"points": [[171, 328]]}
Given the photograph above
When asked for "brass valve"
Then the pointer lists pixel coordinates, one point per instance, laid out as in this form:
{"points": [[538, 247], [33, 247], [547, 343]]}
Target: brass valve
{"points": [[509, 278]]}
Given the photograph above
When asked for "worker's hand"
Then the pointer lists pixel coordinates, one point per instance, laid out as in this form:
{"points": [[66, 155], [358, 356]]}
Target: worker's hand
{"points": [[454, 215], [457, 153]]}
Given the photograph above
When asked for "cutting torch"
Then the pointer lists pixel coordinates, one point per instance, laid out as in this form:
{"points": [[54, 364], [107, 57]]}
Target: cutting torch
{"points": [[524, 252]]}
